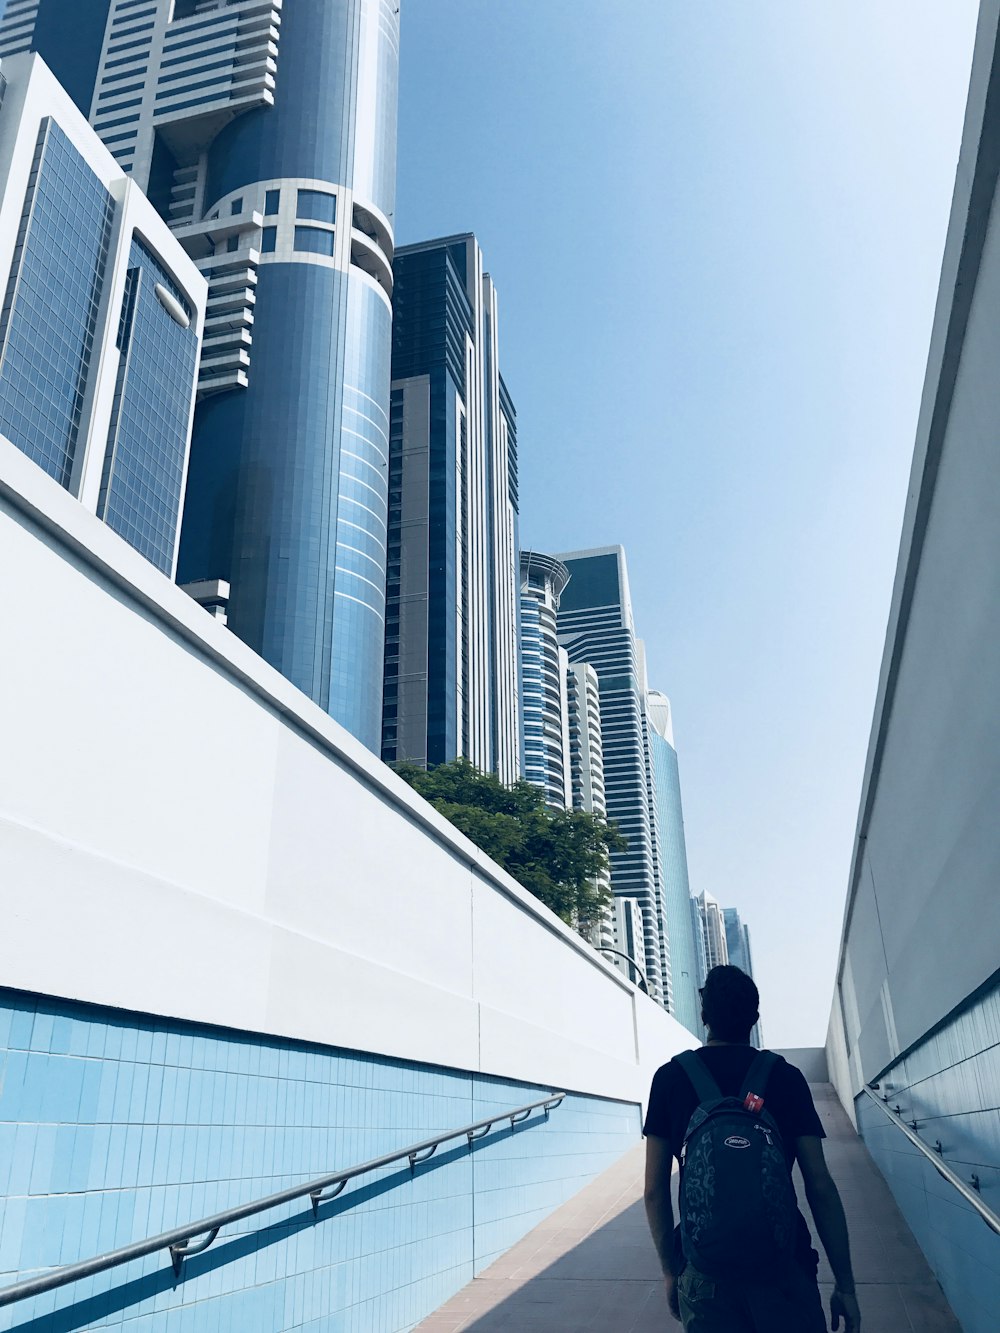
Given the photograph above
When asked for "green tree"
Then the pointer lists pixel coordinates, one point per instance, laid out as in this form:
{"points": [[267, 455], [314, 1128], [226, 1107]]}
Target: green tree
{"points": [[556, 854]]}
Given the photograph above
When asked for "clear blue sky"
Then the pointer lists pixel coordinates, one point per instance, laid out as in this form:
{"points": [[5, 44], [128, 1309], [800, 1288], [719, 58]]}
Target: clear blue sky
{"points": [[716, 228]]}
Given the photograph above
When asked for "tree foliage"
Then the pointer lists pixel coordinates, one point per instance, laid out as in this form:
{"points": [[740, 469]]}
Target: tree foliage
{"points": [[556, 854]]}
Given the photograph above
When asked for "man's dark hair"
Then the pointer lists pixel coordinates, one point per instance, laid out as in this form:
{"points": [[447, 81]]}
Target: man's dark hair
{"points": [[729, 1003]]}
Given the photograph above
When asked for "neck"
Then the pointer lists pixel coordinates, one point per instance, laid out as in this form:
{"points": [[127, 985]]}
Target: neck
{"points": [[715, 1041]]}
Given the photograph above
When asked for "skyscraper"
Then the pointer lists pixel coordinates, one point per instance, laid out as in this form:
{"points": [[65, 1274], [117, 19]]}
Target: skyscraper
{"points": [[544, 672], [266, 134], [672, 864], [586, 768], [101, 319], [738, 949], [452, 671], [714, 927], [596, 626], [628, 936], [586, 741]]}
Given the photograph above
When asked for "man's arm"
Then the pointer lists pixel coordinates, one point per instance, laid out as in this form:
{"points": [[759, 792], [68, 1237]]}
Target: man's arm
{"points": [[828, 1214], [660, 1211]]}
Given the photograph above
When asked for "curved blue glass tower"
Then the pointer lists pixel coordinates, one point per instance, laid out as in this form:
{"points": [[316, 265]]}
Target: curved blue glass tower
{"points": [[288, 484]]}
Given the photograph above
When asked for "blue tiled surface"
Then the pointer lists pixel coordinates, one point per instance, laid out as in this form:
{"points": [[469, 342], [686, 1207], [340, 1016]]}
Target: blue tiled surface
{"points": [[950, 1085], [115, 1127]]}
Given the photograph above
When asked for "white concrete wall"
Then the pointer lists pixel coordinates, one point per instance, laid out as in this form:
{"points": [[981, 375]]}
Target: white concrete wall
{"points": [[923, 914], [183, 833], [810, 1059]]}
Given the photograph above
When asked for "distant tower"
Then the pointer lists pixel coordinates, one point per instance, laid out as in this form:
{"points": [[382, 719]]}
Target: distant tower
{"points": [[596, 626], [738, 948], [586, 776], [266, 135], [714, 927], [628, 935], [544, 669], [452, 667], [672, 864]]}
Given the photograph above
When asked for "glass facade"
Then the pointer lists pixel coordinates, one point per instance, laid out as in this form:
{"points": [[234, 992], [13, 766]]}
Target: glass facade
{"points": [[433, 318], [684, 970], [147, 443], [452, 675], [318, 205], [50, 310], [69, 38], [287, 490], [288, 486], [312, 131], [314, 241], [738, 949], [595, 626]]}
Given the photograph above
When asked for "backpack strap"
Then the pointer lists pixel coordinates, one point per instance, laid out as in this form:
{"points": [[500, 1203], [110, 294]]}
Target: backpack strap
{"points": [[705, 1087], [758, 1074]]}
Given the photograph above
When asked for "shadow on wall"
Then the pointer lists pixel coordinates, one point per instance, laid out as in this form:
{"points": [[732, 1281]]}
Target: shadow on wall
{"points": [[85, 1312]]}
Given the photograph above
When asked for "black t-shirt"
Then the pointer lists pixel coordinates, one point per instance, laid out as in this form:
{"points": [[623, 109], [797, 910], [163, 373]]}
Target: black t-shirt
{"points": [[672, 1101]]}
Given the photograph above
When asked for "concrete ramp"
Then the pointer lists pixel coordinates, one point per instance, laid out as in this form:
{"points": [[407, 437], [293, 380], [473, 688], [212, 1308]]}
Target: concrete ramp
{"points": [[591, 1264]]}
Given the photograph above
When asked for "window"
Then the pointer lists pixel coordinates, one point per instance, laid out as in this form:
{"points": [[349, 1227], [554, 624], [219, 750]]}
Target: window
{"points": [[272, 201], [314, 240], [317, 205], [233, 244], [268, 240], [237, 206]]}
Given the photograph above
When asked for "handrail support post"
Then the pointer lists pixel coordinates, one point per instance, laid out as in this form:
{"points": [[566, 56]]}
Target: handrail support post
{"points": [[182, 1250]]}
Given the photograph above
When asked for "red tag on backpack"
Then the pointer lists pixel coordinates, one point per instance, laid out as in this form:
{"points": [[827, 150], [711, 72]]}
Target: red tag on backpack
{"points": [[753, 1103]]}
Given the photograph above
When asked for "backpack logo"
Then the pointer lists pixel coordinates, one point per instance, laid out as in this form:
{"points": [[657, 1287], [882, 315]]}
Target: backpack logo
{"points": [[737, 1141]]}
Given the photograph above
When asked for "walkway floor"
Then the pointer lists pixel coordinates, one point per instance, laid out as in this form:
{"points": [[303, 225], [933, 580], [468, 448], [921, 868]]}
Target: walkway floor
{"points": [[591, 1265]]}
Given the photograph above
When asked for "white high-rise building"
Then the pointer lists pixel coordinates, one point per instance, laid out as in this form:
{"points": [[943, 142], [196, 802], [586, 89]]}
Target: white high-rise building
{"points": [[586, 769], [544, 667], [629, 936], [714, 926]]}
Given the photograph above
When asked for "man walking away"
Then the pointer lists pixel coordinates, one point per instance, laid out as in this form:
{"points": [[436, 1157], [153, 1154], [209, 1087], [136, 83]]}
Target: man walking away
{"points": [[737, 1119]]}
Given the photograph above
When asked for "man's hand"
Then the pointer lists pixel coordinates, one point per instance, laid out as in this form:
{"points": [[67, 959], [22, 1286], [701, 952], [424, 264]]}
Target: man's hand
{"points": [[672, 1300], [844, 1305]]}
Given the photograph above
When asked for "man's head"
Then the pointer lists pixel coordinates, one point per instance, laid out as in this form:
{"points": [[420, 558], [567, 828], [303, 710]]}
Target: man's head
{"points": [[729, 1004]]}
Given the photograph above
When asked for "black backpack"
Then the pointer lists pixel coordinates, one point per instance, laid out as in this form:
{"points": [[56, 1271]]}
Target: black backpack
{"points": [[738, 1216]]}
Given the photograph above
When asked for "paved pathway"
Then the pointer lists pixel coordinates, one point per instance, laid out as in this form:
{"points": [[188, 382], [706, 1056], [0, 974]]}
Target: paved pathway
{"points": [[591, 1264]]}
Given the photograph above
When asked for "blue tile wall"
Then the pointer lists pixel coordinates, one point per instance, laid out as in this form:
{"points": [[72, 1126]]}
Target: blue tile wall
{"points": [[949, 1084], [115, 1127]]}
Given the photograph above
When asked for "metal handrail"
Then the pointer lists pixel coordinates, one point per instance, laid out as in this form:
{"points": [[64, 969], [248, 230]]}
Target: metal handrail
{"points": [[176, 1241], [629, 959], [968, 1192]]}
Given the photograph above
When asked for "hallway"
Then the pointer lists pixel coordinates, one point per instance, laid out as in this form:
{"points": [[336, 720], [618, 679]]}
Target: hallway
{"points": [[591, 1265]]}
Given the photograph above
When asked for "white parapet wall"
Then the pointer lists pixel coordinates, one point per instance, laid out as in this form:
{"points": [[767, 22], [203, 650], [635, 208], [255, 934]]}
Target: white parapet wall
{"points": [[183, 833]]}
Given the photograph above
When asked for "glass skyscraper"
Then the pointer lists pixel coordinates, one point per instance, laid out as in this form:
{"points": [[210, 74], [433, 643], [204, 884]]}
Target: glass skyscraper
{"points": [[452, 672], [596, 626], [671, 856], [738, 949], [266, 134], [100, 320]]}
